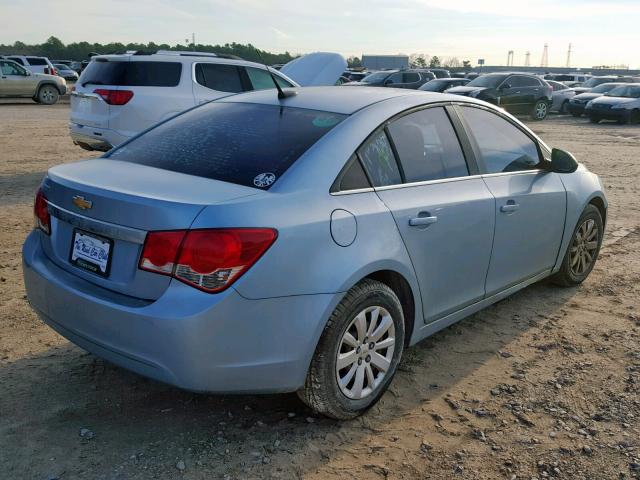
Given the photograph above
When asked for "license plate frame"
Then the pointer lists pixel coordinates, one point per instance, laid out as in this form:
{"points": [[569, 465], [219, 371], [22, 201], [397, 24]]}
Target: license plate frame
{"points": [[94, 243]]}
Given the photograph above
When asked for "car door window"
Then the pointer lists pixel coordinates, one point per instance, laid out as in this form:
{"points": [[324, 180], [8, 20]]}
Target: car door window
{"points": [[262, 80], [219, 76], [9, 68], [427, 146], [395, 78], [410, 77], [519, 81], [501, 146], [378, 158], [17, 60]]}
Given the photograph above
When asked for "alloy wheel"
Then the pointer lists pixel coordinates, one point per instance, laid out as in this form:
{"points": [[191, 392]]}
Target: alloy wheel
{"points": [[365, 352], [584, 247], [541, 110], [47, 95]]}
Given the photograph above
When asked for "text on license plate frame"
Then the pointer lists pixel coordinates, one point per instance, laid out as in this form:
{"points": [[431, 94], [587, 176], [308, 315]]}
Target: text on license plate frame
{"points": [[87, 263]]}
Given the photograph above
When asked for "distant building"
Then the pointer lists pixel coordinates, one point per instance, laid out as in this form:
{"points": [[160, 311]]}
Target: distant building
{"points": [[385, 62]]}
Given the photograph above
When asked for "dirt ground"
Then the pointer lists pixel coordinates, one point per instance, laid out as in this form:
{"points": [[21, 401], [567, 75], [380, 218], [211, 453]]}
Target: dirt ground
{"points": [[544, 384]]}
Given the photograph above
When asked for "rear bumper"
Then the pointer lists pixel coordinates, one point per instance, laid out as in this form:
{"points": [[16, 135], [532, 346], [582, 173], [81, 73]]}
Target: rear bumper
{"points": [[93, 138], [220, 343]]}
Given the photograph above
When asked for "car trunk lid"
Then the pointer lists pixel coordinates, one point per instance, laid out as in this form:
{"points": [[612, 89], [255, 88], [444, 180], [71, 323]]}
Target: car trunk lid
{"points": [[107, 202]]}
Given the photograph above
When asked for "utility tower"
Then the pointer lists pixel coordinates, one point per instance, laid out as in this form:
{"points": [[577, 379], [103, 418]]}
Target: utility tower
{"points": [[569, 56], [545, 56], [527, 59], [510, 58]]}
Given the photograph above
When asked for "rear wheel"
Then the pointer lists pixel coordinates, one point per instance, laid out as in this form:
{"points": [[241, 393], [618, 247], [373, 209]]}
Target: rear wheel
{"points": [[594, 119], [634, 118], [358, 352], [576, 114], [48, 94], [583, 249], [563, 107], [540, 110]]}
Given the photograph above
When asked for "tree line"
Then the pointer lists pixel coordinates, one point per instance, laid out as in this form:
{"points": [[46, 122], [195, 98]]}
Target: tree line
{"points": [[53, 48]]}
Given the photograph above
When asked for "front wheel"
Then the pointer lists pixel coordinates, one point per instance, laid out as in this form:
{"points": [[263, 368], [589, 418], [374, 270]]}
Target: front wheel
{"points": [[358, 353], [540, 110], [583, 249], [48, 94]]}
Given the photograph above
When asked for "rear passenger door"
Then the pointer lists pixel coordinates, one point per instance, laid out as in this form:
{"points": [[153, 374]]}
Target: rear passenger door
{"points": [[530, 201], [444, 215], [216, 80]]}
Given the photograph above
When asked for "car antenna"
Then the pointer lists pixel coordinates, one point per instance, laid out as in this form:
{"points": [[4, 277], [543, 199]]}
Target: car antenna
{"points": [[281, 93]]}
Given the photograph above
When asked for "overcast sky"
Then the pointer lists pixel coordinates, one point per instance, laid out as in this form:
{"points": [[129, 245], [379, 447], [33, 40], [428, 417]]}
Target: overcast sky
{"points": [[602, 32]]}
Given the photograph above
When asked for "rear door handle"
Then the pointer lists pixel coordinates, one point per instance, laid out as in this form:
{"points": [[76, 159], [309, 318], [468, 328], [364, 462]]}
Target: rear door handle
{"points": [[510, 207], [422, 221]]}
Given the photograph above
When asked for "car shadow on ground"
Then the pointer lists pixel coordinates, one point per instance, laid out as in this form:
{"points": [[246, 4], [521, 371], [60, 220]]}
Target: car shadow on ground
{"points": [[142, 428]]}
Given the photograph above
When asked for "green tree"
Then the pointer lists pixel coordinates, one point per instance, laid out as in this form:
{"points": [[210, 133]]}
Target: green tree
{"points": [[354, 62], [435, 62]]}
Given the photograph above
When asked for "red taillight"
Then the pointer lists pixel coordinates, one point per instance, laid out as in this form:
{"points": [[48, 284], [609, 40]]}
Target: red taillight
{"points": [[210, 260], [41, 213], [114, 97]]}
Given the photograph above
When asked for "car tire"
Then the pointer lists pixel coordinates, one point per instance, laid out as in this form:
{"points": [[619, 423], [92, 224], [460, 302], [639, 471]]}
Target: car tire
{"points": [[583, 249], [48, 95], [354, 335], [593, 119], [540, 110], [563, 108], [576, 114], [634, 117]]}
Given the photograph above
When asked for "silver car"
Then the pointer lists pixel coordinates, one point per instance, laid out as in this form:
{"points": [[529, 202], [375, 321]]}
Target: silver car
{"points": [[17, 81], [280, 242], [561, 96]]}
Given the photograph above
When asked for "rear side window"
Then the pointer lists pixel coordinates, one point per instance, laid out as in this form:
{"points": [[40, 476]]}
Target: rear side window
{"points": [[221, 77], [502, 146], [261, 79], [244, 143], [378, 158], [522, 81], [427, 146], [353, 177], [36, 61], [17, 60], [132, 73]]}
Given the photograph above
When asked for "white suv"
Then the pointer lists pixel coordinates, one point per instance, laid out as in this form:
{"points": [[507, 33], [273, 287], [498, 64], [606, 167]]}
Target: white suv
{"points": [[34, 64], [119, 96]]}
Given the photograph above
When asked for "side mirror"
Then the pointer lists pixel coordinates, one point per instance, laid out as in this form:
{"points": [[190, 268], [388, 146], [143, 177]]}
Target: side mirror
{"points": [[505, 86], [563, 162], [388, 82]]}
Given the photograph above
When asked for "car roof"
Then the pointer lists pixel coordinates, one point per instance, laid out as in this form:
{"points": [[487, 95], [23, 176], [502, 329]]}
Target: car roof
{"points": [[343, 100]]}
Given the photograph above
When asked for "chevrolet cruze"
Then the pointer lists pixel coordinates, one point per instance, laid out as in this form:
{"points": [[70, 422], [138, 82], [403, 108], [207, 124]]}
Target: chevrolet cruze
{"points": [[278, 243]]}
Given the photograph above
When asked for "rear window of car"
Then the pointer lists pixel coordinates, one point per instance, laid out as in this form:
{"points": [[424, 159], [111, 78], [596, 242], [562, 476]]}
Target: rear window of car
{"points": [[36, 61], [243, 143], [132, 73]]}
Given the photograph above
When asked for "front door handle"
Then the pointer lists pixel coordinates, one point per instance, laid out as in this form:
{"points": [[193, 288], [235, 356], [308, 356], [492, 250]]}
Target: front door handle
{"points": [[422, 221], [510, 207]]}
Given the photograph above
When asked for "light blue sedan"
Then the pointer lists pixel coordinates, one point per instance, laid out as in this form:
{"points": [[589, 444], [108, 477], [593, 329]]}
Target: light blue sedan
{"points": [[265, 243]]}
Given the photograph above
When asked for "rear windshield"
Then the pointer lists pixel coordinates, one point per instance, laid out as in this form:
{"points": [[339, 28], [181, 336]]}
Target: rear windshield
{"points": [[242, 143], [132, 73]]}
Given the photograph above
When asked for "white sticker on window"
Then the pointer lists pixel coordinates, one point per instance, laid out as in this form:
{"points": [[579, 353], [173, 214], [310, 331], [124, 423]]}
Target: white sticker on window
{"points": [[264, 179]]}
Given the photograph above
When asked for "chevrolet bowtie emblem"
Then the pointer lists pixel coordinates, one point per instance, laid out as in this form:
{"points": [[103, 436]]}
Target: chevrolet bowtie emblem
{"points": [[80, 202]]}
